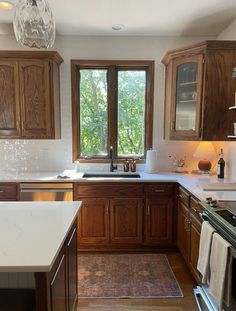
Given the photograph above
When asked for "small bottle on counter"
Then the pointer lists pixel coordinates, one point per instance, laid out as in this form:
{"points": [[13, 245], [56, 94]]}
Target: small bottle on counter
{"points": [[126, 165], [133, 166], [221, 165]]}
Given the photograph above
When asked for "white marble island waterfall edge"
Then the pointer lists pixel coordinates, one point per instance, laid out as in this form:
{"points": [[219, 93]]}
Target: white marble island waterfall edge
{"points": [[32, 234]]}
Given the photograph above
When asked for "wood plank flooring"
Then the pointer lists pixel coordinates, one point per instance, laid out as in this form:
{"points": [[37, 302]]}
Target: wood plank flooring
{"points": [[182, 275]]}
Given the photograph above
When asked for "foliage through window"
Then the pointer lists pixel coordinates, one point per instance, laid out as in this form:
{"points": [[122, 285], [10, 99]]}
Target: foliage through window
{"points": [[112, 106]]}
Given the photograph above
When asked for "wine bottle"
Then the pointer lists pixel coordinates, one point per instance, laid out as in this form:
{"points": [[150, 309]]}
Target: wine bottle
{"points": [[221, 165]]}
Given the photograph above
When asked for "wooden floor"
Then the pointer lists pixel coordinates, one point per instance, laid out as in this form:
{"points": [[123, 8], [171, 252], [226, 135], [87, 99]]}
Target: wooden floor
{"points": [[182, 275]]}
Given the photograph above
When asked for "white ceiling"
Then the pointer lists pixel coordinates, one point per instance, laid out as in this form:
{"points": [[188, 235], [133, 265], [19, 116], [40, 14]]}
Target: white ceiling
{"points": [[140, 17]]}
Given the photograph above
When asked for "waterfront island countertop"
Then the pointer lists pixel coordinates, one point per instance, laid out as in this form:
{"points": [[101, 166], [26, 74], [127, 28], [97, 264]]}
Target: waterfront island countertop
{"points": [[32, 234]]}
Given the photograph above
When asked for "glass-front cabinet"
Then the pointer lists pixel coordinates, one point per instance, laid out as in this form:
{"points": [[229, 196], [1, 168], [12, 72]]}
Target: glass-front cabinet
{"points": [[199, 90], [186, 100]]}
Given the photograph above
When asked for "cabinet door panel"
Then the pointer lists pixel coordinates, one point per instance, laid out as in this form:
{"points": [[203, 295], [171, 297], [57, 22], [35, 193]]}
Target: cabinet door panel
{"points": [[72, 270], [35, 93], [182, 234], [10, 123], [195, 232], [93, 222], [159, 223], [187, 96], [58, 287], [126, 220]]}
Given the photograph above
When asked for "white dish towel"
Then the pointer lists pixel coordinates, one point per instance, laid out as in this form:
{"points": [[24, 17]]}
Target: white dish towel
{"points": [[219, 259], [205, 250]]}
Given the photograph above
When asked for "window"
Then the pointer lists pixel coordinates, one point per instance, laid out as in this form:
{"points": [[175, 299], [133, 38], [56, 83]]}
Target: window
{"points": [[112, 104]]}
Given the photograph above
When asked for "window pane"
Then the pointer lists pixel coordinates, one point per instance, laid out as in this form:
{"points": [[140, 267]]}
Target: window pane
{"points": [[131, 112], [93, 112]]}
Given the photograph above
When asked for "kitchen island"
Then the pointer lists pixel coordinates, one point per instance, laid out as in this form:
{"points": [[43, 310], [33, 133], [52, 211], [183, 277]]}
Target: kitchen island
{"points": [[38, 255]]}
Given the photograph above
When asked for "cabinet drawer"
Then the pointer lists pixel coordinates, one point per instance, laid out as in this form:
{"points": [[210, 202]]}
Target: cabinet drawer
{"points": [[159, 189], [196, 221], [94, 190], [194, 205], [195, 208], [8, 192], [184, 196]]}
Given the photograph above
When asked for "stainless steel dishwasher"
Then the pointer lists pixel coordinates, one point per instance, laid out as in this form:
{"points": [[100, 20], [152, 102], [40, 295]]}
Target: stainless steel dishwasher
{"points": [[46, 191]]}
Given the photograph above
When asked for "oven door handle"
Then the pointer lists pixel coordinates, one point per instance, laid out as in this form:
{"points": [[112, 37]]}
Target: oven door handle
{"points": [[207, 305], [197, 292]]}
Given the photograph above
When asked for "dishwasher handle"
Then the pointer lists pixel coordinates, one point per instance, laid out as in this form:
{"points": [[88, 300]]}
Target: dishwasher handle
{"points": [[46, 190], [44, 186]]}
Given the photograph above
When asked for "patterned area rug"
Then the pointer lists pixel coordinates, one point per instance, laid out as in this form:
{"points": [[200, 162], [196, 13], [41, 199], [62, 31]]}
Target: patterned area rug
{"points": [[126, 276]]}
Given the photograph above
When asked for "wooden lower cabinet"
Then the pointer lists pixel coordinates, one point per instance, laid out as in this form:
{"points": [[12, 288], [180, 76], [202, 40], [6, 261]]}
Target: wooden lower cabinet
{"points": [[9, 191], [188, 232], [158, 221], [182, 234], [194, 241], [104, 223], [126, 220], [56, 290], [93, 222], [125, 215], [58, 287], [72, 271]]}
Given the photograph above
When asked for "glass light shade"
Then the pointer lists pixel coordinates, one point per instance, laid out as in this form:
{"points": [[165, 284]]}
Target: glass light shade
{"points": [[33, 23]]}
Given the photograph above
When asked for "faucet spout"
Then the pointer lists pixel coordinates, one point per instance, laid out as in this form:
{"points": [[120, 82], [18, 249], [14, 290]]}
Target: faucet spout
{"points": [[112, 166]]}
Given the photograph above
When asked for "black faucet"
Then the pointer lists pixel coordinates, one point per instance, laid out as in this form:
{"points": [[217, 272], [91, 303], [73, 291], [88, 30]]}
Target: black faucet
{"points": [[112, 166]]}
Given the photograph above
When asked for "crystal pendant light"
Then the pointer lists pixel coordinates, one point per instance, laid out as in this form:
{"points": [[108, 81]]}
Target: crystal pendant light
{"points": [[33, 23]]}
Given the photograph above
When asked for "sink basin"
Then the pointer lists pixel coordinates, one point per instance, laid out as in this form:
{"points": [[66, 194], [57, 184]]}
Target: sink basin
{"points": [[110, 175]]}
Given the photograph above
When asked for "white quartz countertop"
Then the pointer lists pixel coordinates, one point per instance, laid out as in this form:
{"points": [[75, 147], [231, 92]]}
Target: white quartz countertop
{"points": [[191, 182], [32, 233]]}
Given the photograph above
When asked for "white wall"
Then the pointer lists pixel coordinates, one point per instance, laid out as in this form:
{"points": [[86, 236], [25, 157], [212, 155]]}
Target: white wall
{"points": [[230, 147], [41, 155]]}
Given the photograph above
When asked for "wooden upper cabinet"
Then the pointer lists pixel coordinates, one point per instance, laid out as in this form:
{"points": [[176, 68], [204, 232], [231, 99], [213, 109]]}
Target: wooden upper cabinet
{"points": [[9, 100], [199, 91], [186, 100], [29, 94], [35, 96]]}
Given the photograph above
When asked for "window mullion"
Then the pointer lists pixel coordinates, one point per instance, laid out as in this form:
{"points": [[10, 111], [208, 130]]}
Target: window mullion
{"points": [[112, 108]]}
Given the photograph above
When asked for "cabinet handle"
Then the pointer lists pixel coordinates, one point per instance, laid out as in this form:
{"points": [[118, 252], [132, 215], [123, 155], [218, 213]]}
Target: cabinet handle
{"points": [[107, 210], [180, 196], [58, 268], [187, 225], [1, 191], [72, 235], [148, 210], [172, 125], [159, 190], [195, 210]]}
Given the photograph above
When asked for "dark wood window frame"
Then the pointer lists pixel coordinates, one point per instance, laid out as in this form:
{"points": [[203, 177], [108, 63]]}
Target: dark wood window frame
{"points": [[76, 65]]}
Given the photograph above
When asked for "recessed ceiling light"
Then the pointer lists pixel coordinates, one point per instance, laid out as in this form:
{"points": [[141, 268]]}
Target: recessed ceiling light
{"points": [[118, 27], [6, 5]]}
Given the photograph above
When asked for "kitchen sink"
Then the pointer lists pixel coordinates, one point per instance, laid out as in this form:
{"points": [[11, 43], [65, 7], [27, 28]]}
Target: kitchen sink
{"points": [[110, 175]]}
